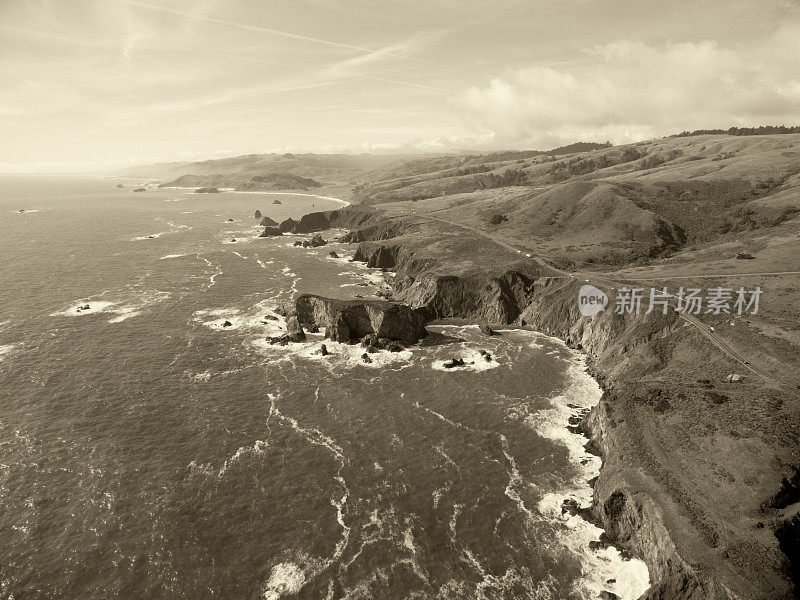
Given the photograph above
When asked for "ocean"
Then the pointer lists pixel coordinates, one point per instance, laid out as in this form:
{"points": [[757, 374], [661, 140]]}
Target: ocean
{"points": [[147, 450]]}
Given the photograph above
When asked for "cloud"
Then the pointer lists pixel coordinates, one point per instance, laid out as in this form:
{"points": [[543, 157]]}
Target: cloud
{"points": [[629, 90], [267, 30]]}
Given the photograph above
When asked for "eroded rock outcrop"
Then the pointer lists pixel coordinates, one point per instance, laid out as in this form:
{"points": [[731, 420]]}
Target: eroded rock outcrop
{"points": [[267, 222], [352, 320], [294, 333], [287, 225], [316, 221], [271, 232]]}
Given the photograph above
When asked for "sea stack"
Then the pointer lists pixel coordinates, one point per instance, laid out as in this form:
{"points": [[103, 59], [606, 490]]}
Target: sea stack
{"points": [[270, 232], [267, 222]]}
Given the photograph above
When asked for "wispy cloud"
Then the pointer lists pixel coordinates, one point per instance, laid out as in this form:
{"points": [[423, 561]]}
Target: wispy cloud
{"points": [[332, 72], [274, 32]]}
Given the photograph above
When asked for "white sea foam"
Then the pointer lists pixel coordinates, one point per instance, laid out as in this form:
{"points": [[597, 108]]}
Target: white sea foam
{"points": [[258, 447], [288, 578], [168, 256], [632, 577], [173, 228], [6, 350], [125, 305], [213, 279], [251, 320], [77, 309], [284, 579], [341, 356], [473, 361]]}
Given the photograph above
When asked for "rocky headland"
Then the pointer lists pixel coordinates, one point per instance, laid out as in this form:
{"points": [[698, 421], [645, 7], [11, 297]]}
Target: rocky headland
{"points": [[351, 321], [699, 423], [698, 477]]}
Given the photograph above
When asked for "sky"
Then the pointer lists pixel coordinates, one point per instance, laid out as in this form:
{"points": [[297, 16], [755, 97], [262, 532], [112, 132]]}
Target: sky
{"points": [[89, 84]]}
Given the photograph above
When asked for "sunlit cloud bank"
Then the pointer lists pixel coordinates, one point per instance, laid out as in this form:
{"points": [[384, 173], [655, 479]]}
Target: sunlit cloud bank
{"points": [[630, 90]]}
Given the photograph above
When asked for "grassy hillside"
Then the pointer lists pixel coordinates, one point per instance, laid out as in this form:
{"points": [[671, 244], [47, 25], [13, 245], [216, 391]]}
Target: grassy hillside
{"points": [[243, 182], [611, 206]]}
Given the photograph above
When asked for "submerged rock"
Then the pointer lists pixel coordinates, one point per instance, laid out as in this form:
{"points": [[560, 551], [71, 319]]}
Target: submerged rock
{"points": [[298, 243], [454, 362], [323, 350], [276, 202], [267, 222], [258, 214], [294, 333], [373, 344], [365, 357], [485, 329], [140, 190], [333, 254], [227, 324]]}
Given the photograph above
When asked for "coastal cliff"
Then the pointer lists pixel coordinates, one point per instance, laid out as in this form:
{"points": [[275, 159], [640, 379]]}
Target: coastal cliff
{"points": [[691, 461], [352, 320]]}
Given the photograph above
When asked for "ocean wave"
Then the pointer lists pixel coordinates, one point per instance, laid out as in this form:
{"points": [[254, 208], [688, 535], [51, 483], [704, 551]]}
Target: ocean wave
{"points": [[173, 228], [288, 577], [259, 319], [6, 350], [168, 256], [474, 360], [131, 305], [630, 578], [340, 356]]}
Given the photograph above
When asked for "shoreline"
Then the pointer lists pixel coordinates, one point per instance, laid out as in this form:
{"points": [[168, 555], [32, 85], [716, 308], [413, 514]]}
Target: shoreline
{"points": [[267, 193], [640, 362]]}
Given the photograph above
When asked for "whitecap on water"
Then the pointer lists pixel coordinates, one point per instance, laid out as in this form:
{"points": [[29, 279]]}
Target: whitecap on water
{"points": [[6, 350], [285, 579], [168, 256], [260, 319], [125, 308], [340, 356], [173, 228], [600, 566], [474, 360], [85, 307]]}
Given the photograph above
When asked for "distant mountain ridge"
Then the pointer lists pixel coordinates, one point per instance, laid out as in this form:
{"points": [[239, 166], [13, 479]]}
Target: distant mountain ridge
{"points": [[263, 182]]}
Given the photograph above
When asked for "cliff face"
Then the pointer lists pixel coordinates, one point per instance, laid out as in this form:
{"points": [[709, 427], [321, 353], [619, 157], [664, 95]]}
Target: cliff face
{"points": [[351, 320], [683, 483]]}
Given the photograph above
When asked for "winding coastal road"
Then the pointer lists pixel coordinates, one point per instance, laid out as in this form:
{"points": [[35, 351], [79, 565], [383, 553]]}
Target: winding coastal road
{"points": [[611, 281]]}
